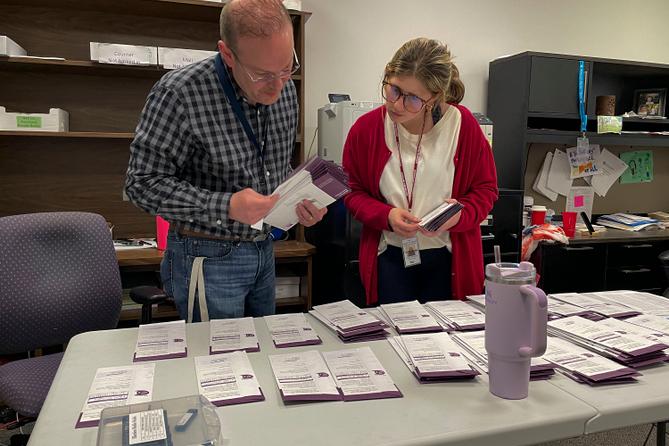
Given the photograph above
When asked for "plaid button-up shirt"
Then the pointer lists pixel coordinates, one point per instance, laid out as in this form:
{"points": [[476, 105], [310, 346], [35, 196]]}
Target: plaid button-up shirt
{"points": [[190, 152]]}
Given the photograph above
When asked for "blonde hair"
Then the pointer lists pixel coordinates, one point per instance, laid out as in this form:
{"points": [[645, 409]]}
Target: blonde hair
{"points": [[431, 63], [252, 18]]}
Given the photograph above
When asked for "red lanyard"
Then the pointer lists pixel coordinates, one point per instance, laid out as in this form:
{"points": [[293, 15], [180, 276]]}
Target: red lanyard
{"points": [[415, 165]]}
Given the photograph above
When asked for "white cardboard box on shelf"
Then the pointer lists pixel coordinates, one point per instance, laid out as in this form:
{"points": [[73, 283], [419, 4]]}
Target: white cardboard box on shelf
{"points": [[116, 53], [10, 48], [172, 58], [57, 120], [293, 4], [287, 286]]}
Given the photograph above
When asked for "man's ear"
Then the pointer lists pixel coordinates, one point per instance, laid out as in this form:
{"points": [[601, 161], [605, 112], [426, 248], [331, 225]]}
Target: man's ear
{"points": [[226, 53]]}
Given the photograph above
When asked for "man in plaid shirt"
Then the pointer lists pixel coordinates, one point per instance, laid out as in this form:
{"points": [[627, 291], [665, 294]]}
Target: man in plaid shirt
{"points": [[194, 163]]}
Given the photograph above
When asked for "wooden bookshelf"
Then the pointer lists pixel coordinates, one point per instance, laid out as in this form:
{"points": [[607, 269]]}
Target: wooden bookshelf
{"points": [[84, 169]]}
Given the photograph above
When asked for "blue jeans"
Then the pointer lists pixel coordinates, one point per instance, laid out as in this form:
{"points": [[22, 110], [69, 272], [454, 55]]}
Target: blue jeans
{"points": [[239, 276]]}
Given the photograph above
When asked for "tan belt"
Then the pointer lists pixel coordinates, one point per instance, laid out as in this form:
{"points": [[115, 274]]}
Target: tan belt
{"points": [[225, 238]]}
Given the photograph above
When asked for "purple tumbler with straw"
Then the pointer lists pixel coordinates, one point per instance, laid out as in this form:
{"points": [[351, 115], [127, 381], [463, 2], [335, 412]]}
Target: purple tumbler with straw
{"points": [[515, 326]]}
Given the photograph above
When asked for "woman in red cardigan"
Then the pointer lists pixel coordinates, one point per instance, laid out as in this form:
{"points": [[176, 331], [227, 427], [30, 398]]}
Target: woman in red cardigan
{"points": [[404, 159]]}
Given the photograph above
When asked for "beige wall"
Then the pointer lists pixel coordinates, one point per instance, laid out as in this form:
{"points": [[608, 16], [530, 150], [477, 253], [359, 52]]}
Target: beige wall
{"points": [[348, 42]]}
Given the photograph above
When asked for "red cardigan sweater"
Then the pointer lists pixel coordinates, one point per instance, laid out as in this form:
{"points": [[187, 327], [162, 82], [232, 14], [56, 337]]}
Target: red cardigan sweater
{"points": [[474, 185]]}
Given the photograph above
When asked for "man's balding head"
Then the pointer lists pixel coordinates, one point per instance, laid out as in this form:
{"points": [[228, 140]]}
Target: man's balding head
{"points": [[252, 18]]}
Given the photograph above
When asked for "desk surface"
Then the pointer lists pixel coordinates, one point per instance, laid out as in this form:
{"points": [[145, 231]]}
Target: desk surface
{"points": [[618, 235], [152, 256], [429, 414], [625, 404]]}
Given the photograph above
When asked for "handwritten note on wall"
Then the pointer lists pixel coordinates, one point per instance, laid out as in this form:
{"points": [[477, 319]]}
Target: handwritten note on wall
{"points": [[639, 167]]}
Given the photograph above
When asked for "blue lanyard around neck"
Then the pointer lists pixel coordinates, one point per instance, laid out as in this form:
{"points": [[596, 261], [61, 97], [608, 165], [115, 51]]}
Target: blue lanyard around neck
{"points": [[226, 83]]}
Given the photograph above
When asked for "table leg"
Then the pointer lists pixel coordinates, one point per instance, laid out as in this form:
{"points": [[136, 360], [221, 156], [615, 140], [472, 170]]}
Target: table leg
{"points": [[661, 433]]}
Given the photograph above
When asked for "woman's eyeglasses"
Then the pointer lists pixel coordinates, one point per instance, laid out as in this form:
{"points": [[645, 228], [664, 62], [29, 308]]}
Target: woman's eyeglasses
{"points": [[270, 77], [393, 93]]}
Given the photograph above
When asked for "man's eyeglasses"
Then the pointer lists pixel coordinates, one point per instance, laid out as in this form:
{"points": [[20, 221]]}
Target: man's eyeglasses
{"points": [[270, 77], [393, 93]]}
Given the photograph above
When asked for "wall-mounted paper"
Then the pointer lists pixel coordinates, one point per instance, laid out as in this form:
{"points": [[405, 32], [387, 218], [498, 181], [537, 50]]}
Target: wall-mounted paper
{"points": [[582, 160], [559, 179], [540, 183], [580, 200], [611, 167], [640, 165]]}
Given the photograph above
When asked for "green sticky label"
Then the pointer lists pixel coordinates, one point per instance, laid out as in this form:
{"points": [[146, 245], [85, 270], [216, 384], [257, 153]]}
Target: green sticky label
{"points": [[34, 122]]}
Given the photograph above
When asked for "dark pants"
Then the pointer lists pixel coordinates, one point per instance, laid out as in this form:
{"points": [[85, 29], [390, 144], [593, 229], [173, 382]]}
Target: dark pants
{"points": [[431, 280]]}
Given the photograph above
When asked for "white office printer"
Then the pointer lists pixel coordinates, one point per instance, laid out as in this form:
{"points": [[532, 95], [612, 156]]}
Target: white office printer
{"points": [[335, 120]]}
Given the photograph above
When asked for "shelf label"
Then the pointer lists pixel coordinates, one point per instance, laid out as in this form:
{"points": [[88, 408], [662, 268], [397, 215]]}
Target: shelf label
{"points": [[34, 122]]}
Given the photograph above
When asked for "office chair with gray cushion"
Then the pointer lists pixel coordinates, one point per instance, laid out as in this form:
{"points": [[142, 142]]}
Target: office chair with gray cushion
{"points": [[58, 277]]}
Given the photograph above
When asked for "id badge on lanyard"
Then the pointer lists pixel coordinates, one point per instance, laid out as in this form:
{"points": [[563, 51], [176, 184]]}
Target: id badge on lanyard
{"points": [[410, 252], [410, 249]]}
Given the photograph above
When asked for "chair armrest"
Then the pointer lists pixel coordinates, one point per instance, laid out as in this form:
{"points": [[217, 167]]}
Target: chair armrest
{"points": [[147, 295]]}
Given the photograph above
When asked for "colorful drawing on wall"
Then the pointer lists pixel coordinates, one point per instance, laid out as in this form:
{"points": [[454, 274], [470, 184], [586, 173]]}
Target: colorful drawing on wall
{"points": [[640, 167]]}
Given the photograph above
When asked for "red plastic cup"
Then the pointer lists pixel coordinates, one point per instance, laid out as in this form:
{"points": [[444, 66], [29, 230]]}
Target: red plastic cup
{"points": [[538, 215], [162, 227], [569, 223]]}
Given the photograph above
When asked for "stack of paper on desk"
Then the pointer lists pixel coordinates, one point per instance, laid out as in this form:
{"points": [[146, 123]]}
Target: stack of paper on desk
{"points": [[227, 335], [116, 386], [629, 222], [304, 376], [628, 348], [317, 180], [584, 366], [440, 215], [291, 330], [349, 322], [227, 378], [593, 302], [409, 317], [432, 357], [359, 375], [473, 344], [457, 315], [164, 340]]}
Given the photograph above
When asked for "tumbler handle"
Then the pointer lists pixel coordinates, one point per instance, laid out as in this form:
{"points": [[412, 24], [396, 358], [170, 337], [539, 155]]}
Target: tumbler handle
{"points": [[539, 318]]}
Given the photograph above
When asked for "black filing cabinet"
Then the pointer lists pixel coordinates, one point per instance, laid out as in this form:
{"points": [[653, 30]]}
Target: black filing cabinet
{"points": [[570, 268], [635, 266]]}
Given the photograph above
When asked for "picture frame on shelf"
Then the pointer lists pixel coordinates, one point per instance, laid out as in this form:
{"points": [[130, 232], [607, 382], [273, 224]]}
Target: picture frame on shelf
{"points": [[650, 102]]}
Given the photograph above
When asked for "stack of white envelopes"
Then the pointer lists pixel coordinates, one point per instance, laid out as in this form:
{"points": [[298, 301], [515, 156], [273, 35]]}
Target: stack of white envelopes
{"points": [[473, 344], [409, 317], [317, 180], [349, 322], [349, 375], [625, 345], [457, 315], [432, 357], [585, 366], [440, 215], [291, 330], [228, 335]]}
